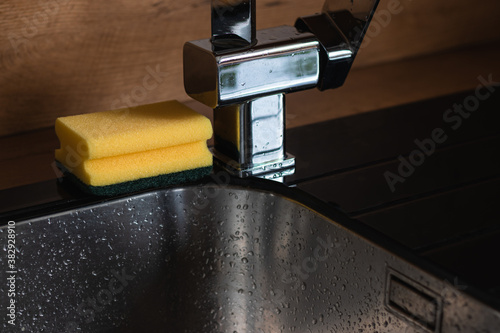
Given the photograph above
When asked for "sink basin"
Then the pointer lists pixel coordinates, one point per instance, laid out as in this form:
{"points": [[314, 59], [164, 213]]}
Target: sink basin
{"points": [[223, 258]]}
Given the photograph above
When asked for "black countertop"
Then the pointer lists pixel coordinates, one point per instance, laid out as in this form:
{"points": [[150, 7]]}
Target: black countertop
{"points": [[443, 205]]}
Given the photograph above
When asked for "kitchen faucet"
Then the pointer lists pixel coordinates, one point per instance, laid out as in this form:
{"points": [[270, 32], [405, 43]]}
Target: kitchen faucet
{"points": [[244, 74]]}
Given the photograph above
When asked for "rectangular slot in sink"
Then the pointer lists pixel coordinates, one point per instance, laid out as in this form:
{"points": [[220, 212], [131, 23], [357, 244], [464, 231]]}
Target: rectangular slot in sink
{"points": [[413, 301]]}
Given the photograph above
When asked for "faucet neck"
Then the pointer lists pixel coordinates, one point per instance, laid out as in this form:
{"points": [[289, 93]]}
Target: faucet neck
{"points": [[250, 138], [233, 24]]}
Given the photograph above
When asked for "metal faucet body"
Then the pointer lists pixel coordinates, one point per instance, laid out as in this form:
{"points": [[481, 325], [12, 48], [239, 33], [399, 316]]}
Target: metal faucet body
{"points": [[244, 76]]}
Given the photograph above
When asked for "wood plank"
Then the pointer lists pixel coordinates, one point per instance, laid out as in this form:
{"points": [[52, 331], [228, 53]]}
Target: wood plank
{"points": [[61, 57]]}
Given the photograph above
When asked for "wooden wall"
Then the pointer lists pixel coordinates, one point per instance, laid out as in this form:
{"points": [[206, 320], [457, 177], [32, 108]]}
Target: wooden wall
{"points": [[62, 57]]}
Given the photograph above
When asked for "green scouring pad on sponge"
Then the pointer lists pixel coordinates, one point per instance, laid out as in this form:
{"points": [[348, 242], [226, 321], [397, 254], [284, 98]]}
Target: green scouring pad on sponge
{"points": [[122, 151]]}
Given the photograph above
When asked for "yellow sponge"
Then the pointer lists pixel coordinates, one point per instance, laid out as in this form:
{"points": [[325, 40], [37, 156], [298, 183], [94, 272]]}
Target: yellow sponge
{"points": [[120, 151], [118, 169], [125, 131]]}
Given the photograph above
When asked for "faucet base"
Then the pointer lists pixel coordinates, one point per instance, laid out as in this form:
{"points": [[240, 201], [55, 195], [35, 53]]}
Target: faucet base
{"points": [[273, 170]]}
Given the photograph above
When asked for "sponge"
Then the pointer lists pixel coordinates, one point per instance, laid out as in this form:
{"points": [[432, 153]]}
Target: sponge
{"points": [[121, 151]]}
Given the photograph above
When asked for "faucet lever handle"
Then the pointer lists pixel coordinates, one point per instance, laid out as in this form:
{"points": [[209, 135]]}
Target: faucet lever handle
{"points": [[340, 29], [352, 18]]}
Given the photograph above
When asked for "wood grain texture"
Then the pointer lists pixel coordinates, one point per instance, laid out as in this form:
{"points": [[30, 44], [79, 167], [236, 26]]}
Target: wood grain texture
{"points": [[63, 57], [28, 157]]}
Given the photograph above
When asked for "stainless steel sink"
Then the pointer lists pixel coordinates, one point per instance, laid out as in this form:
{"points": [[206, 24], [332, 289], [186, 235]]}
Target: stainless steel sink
{"points": [[228, 258]]}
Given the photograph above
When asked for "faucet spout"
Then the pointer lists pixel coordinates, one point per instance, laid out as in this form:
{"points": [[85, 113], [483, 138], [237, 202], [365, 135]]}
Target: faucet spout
{"points": [[340, 28]]}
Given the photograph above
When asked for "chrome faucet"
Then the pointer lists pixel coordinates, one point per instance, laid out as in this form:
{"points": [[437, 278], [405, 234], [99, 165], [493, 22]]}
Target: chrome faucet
{"points": [[244, 74]]}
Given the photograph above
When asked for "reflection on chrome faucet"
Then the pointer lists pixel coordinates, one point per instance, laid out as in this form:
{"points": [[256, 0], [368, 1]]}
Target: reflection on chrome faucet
{"points": [[244, 76]]}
